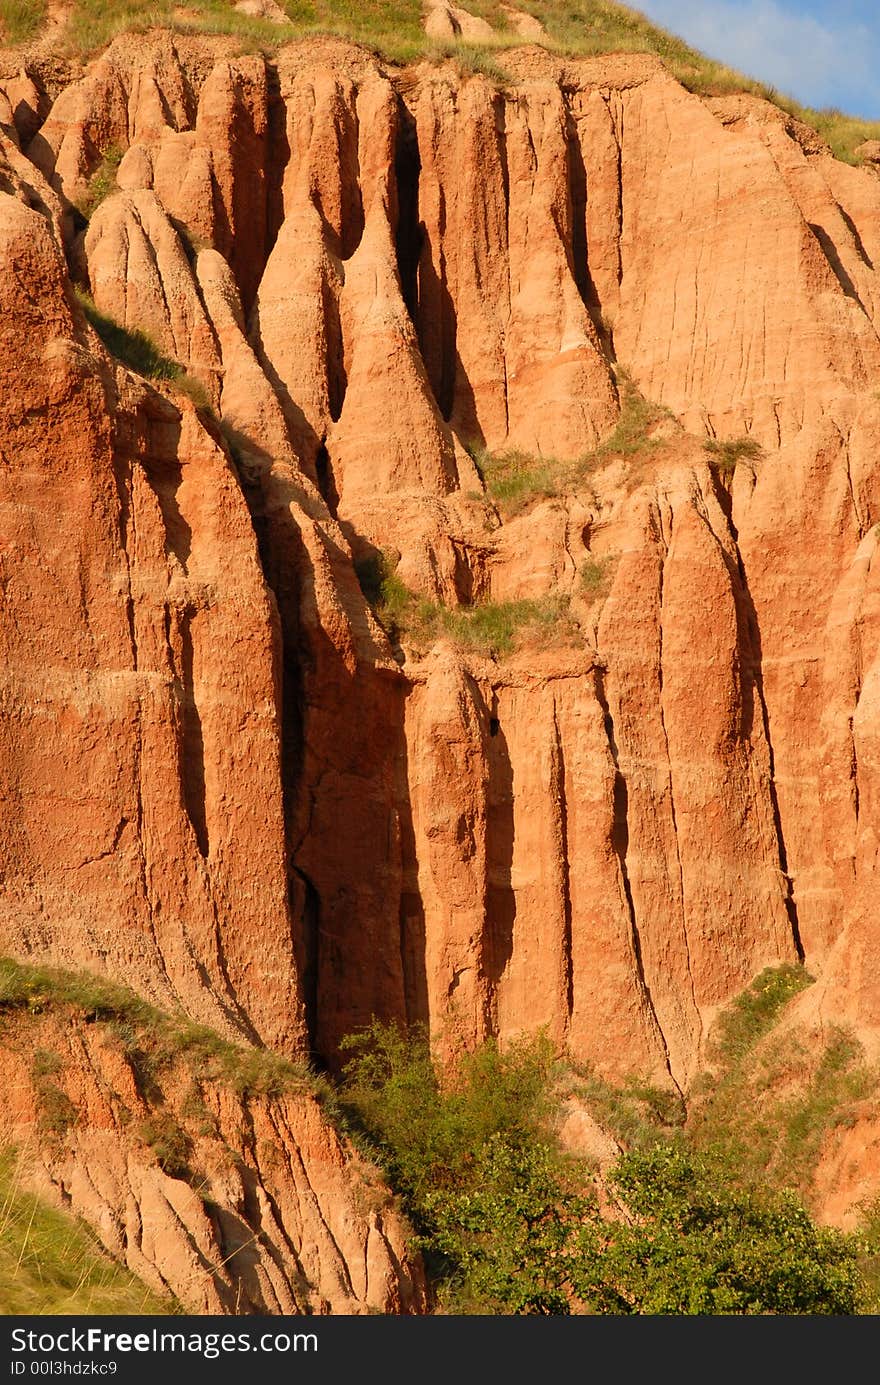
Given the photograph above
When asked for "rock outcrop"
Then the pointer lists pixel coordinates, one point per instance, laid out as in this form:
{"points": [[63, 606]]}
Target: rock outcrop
{"points": [[230, 1203], [220, 780]]}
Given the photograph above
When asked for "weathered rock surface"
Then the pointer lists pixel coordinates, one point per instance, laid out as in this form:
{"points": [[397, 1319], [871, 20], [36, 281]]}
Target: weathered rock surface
{"points": [[219, 781], [273, 1213]]}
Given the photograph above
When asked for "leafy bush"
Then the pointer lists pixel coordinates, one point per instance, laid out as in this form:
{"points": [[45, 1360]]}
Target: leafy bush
{"points": [[494, 1204], [692, 1244], [508, 1224]]}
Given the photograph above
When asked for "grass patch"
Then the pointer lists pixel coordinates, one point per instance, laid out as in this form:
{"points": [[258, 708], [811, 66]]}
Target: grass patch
{"points": [[151, 1038], [169, 1142], [636, 1113], [724, 456], [136, 350], [102, 182], [491, 628], [766, 1105], [132, 347], [754, 1013], [632, 432], [51, 1264], [594, 577], [469, 59], [762, 1109], [515, 480], [21, 20]]}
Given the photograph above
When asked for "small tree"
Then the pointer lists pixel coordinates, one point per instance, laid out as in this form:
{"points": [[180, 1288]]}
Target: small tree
{"points": [[690, 1243]]}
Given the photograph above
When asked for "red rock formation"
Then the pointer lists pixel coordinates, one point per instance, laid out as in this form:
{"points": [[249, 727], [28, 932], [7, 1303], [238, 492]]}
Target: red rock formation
{"points": [[275, 1215], [219, 780]]}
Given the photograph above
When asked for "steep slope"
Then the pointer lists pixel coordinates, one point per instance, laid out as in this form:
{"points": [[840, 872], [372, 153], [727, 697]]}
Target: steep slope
{"points": [[207, 1169], [222, 781]]}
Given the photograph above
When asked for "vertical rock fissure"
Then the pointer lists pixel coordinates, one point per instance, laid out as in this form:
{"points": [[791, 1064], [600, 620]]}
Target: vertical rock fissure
{"points": [[756, 667], [409, 233], [126, 523], [504, 161], [309, 954], [620, 847], [277, 157], [192, 750], [567, 958], [577, 250], [326, 479], [279, 545], [672, 812]]}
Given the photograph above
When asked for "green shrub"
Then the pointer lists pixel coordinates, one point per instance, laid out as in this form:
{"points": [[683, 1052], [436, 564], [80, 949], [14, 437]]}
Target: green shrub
{"points": [[510, 1225], [725, 455], [471, 1153], [46, 1063], [693, 1244], [56, 1112]]}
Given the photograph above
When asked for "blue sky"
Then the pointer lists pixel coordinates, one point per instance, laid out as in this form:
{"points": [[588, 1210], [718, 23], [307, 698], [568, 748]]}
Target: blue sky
{"points": [[824, 52]]}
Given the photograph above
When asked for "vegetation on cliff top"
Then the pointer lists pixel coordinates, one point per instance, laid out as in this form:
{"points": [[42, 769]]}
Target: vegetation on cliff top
{"points": [[393, 28], [492, 629], [150, 1038]]}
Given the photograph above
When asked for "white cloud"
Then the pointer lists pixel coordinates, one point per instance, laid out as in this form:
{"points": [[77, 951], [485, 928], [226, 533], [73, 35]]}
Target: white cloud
{"points": [[833, 63]]}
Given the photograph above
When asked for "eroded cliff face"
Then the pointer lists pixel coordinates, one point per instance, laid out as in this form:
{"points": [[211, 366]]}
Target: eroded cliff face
{"points": [[233, 1203], [220, 781]]}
